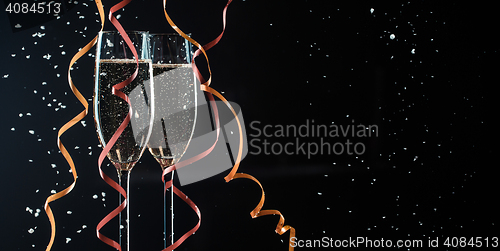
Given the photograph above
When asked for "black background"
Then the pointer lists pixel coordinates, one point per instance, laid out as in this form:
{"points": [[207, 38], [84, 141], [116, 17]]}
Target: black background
{"points": [[429, 173]]}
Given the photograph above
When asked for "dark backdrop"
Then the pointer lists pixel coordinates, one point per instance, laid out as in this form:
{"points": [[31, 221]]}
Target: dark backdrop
{"points": [[429, 172]]}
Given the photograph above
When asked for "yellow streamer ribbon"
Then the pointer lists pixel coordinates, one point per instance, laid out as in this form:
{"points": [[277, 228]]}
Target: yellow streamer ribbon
{"points": [[67, 126]]}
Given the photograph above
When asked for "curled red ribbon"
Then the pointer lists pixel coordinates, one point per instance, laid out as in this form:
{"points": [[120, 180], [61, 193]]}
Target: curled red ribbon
{"points": [[66, 127], [257, 212], [193, 206], [116, 89], [180, 194]]}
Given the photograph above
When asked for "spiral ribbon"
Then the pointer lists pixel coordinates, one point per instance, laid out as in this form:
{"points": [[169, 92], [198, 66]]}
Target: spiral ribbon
{"points": [[66, 127], [180, 194], [257, 212], [116, 90]]}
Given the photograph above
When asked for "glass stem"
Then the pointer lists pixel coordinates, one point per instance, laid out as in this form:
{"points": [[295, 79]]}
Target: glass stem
{"points": [[165, 232], [124, 240], [168, 239], [172, 210]]}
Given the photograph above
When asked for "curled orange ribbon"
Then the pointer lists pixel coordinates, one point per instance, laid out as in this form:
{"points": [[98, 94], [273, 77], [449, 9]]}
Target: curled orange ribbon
{"points": [[67, 126], [257, 212]]}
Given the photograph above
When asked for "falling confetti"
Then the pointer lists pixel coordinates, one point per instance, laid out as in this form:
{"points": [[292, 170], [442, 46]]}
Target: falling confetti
{"points": [[408, 85]]}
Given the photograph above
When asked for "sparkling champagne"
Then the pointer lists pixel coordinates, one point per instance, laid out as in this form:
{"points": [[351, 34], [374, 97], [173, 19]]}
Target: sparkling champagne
{"points": [[175, 96], [111, 110]]}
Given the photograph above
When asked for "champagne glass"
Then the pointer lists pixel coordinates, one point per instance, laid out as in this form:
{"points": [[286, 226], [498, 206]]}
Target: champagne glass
{"points": [[175, 101], [115, 63]]}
